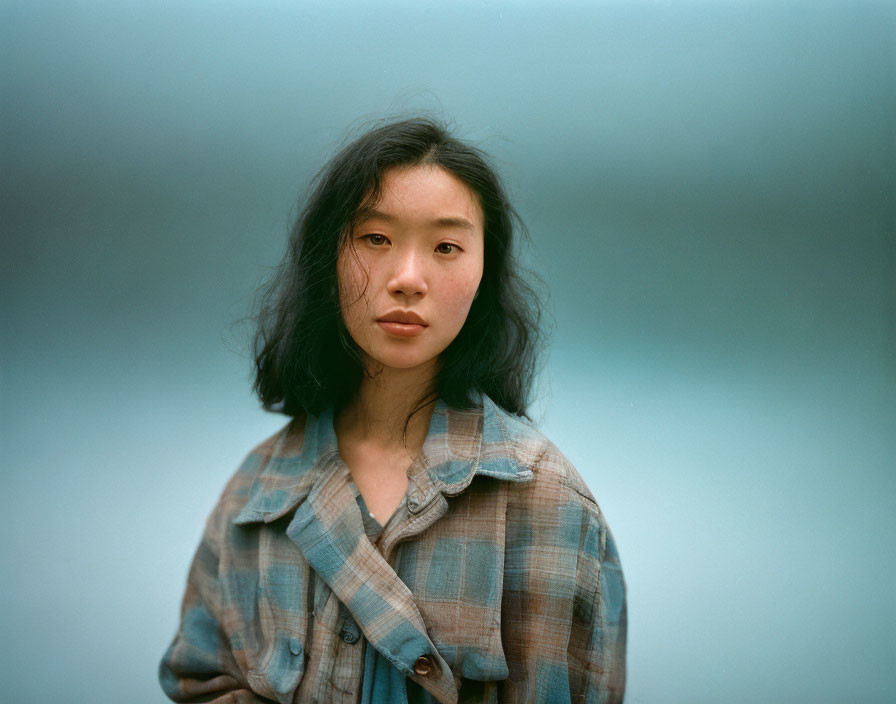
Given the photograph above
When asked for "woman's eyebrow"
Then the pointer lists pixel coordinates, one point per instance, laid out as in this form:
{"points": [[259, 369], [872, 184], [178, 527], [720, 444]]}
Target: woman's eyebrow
{"points": [[444, 222], [462, 223]]}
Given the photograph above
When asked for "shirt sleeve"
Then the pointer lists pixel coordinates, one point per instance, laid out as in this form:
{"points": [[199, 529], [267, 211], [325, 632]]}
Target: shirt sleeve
{"points": [[597, 643], [199, 665]]}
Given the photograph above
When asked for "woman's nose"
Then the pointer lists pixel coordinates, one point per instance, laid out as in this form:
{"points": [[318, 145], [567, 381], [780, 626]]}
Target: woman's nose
{"points": [[408, 277]]}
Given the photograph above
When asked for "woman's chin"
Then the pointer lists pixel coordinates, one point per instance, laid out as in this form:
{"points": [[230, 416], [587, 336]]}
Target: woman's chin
{"points": [[401, 363]]}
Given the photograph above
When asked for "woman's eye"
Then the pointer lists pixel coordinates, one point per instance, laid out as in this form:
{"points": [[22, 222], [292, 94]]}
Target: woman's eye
{"points": [[376, 240], [446, 248]]}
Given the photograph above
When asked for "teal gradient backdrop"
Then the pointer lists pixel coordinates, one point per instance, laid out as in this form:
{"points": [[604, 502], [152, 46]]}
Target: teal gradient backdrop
{"points": [[709, 188]]}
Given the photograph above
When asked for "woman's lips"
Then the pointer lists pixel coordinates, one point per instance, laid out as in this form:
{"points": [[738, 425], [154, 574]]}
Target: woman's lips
{"points": [[402, 323], [401, 329]]}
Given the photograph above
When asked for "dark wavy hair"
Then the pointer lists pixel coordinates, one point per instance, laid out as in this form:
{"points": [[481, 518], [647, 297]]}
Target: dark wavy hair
{"points": [[305, 359]]}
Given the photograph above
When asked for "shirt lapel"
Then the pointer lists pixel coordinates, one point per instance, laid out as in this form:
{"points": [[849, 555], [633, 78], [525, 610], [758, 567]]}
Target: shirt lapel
{"points": [[459, 445]]}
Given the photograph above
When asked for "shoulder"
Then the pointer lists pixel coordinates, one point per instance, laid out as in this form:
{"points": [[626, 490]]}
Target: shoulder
{"points": [[554, 511], [556, 539], [530, 449]]}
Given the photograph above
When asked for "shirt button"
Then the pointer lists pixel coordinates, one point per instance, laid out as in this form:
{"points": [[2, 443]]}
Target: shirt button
{"points": [[295, 646], [414, 502], [423, 666], [349, 636]]}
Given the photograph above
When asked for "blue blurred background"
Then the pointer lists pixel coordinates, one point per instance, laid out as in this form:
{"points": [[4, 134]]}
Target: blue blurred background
{"points": [[709, 188]]}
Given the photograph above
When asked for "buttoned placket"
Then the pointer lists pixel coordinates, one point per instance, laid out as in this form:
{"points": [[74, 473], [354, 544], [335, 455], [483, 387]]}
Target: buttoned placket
{"points": [[424, 505], [331, 496], [348, 657]]}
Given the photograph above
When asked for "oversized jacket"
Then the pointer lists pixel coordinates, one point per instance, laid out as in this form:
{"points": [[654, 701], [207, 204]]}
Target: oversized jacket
{"points": [[496, 581]]}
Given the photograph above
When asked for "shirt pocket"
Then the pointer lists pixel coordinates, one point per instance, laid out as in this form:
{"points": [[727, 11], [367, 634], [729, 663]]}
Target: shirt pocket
{"points": [[283, 616], [280, 668], [267, 620], [457, 586]]}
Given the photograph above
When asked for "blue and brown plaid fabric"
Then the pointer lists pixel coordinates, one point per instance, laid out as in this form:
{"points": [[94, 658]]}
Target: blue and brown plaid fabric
{"points": [[496, 581]]}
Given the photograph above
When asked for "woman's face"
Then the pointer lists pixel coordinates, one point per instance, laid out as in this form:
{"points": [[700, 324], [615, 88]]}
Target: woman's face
{"points": [[408, 275]]}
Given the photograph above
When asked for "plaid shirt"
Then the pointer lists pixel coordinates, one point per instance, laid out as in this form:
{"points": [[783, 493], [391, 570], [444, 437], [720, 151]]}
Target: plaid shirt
{"points": [[496, 581]]}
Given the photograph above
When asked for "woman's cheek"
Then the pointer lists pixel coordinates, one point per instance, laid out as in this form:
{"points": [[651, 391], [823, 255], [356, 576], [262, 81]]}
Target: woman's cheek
{"points": [[459, 306]]}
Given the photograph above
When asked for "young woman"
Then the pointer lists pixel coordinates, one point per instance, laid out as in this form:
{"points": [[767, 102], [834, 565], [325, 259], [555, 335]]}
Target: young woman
{"points": [[408, 536]]}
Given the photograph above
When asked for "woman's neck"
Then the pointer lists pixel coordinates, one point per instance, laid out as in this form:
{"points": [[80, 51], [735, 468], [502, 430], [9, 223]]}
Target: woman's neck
{"points": [[378, 413]]}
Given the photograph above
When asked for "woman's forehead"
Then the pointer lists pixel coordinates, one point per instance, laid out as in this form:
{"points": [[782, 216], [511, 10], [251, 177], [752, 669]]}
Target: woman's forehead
{"points": [[428, 194]]}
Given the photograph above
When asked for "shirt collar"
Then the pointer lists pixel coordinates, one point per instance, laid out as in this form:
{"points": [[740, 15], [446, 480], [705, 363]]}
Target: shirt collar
{"points": [[460, 444]]}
